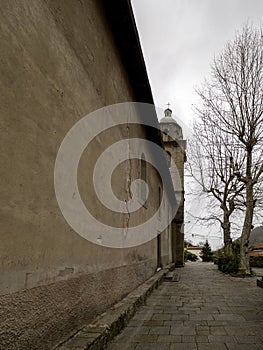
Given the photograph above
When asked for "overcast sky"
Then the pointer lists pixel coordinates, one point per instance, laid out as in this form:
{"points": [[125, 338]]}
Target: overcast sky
{"points": [[179, 39]]}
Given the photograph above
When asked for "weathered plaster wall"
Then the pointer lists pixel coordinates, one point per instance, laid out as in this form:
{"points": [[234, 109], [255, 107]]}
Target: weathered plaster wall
{"points": [[177, 152], [39, 317], [58, 63]]}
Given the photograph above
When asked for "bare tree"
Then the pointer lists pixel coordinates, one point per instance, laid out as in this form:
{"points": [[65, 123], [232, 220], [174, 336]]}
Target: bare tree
{"points": [[211, 156], [233, 100]]}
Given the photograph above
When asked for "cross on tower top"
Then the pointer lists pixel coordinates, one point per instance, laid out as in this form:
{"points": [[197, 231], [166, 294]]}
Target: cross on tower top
{"points": [[168, 111]]}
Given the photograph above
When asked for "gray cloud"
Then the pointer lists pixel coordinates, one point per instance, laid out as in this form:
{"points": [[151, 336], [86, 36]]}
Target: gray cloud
{"points": [[181, 37], [179, 40]]}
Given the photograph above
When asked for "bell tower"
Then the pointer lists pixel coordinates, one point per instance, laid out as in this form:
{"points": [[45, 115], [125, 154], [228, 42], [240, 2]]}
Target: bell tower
{"points": [[175, 147]]}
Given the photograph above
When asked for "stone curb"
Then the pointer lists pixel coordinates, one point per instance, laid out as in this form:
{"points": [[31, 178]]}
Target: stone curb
{"points": [[105, 327]]}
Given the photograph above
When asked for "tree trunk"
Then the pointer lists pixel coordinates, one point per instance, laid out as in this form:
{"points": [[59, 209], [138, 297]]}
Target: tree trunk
{"points": [[227, 233], [244, 266]]}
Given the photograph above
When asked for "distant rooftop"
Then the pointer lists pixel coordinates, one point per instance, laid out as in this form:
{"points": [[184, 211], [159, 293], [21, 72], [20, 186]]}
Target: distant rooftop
{"points": [[256, 236]]}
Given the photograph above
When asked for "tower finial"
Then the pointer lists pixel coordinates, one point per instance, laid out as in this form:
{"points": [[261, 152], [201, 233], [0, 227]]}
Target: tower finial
{"points": [[168, 111]]}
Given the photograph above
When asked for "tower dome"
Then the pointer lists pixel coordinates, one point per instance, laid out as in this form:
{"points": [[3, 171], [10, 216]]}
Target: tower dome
{"points": [[169, 125]]}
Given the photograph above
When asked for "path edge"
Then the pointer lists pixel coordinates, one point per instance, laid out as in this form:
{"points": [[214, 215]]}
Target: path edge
{"points": [[105, 327]]}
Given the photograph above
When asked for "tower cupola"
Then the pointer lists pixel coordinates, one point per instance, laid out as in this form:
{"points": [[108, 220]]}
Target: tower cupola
{"points": [[170, 126]]}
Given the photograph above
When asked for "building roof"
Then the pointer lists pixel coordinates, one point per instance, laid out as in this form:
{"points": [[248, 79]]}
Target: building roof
{"points": [[170, 127], [168, 119], [256, 250]]}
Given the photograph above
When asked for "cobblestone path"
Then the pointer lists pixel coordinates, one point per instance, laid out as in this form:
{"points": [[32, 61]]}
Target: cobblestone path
{"points": [[204, 310]]}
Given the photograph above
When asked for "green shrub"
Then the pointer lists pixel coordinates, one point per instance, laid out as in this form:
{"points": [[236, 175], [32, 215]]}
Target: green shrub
{"points": [[215, 258], [228, 264], [256, 261], [189, 256], [228, 260], [206, 253]]}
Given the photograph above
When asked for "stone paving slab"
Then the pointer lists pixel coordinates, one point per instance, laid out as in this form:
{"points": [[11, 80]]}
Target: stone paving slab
{"points": [[95, 336], [204, 310]]}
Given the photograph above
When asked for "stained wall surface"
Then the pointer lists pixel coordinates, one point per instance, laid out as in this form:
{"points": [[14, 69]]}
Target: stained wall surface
{"points": [[58, 63]]}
